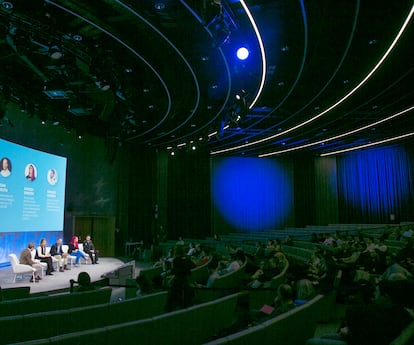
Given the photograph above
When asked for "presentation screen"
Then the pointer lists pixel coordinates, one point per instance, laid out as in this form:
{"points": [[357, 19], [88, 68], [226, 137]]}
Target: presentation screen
{"points": [[32, 189]]}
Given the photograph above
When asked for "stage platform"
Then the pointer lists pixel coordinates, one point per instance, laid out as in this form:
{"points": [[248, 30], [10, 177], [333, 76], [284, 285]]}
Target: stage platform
{"points": [[60, 280]]}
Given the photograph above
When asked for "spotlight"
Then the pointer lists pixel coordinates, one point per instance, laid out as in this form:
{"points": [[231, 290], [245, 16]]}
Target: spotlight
{"points": [[55, 53], [7, 5], [172, 153], [193, 148], [243, 53]]}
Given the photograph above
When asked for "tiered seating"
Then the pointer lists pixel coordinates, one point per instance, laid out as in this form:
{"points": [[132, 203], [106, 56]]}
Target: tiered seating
{"points": [[293, 327], [187, 326], [54, 302]]}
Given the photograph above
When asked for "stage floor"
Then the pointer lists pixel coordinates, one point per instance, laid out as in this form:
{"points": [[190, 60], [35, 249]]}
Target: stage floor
{"points": [[60, 280]]}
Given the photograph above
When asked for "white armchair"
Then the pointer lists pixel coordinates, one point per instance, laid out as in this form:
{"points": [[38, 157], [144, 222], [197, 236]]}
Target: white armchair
{"points": [[71, 259], [19, 269], [80, 245]]}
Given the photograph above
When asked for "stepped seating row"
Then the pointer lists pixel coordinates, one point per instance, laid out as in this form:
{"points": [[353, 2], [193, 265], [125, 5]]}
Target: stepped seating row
{"points": [[15, 293], [293, 327], [54, 302], [193, 325], [29, 326]]}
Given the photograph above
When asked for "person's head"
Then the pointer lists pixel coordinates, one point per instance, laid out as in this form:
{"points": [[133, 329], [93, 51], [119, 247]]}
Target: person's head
{"points": [[31, 172], [144, 284], [43, 242], [284, 293], [5, 164], [52, 173], [88, 238], [31, 246], [304, 289], [59, 241], [179, 251], [84, 279], [74, 240]]}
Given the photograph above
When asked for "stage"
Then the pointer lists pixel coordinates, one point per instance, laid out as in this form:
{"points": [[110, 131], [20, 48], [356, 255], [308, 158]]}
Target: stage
{"points": [[60, 280]]}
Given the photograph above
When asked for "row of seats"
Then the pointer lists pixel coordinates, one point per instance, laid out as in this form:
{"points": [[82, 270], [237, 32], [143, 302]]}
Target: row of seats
{"points": [[189, 326]]}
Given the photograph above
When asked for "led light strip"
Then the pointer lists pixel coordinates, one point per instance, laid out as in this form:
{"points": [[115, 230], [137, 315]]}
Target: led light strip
{"points": [[349, 94], [262, 52], [197, 103], [339, 135], [368, 145], [110, 34]]}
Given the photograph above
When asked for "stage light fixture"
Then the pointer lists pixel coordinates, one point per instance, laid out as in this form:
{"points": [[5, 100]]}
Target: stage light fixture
{"points": [[243, 53]]}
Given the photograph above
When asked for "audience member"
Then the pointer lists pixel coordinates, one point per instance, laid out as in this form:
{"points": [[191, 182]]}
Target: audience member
{"points": [[305, 291], [84, 283], [181, 292], [26, 259], [89, 248], [57, 252], [144, 285]]}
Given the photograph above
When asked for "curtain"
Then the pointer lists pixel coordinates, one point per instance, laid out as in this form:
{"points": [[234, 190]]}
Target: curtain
{"points": [[375, 184]]}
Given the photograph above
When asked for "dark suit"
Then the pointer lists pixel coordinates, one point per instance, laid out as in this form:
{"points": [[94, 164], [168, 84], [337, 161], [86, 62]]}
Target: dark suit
{"points": [[89, 248]]}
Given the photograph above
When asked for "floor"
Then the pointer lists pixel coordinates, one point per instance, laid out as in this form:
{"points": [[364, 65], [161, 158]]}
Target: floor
{"points": [[60, 280]]}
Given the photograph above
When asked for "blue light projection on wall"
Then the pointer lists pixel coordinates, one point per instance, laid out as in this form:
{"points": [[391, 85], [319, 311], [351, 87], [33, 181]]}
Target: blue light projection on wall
{"points": [[252, 194]]}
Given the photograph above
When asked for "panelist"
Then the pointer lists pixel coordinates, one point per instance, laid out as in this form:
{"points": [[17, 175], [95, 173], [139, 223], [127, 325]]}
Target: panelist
{"points": [[89, 248], [62, 258], [43, 256], [26, 259]]}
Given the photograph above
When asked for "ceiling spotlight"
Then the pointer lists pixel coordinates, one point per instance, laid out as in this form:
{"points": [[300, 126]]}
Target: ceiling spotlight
{"points": [[7, 5], [372, 42], [193, 148], [159, 6], [284, 49], [172, 153], [77, 38], [55, 53], [243, 53]]}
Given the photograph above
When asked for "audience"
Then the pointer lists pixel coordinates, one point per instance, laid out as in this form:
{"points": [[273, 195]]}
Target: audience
{"points": [[84, 283], [181, 293]]}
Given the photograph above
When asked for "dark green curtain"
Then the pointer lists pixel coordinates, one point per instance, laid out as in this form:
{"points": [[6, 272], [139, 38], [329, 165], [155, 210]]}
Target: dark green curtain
{"points": [[304, 190], [188, 195]]}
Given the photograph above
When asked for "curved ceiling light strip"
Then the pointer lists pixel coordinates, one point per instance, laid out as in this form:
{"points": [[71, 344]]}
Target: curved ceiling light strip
{"points": [[228, 78], [343, 99], [305, 49], [344, 55], [368, 145], [262, 53], [127, 47], [197, 103], [402, 112]]}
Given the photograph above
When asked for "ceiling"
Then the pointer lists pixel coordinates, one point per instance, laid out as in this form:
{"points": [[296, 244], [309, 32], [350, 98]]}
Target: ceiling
{"points": [[324, 75]]}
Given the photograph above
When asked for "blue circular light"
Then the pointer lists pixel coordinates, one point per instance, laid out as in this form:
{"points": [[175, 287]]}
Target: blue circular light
{"points": [[242, 53]]}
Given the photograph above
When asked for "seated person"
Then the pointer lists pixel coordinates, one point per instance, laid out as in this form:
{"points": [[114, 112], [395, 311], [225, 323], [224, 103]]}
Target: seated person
{"points": [[57, 252], [372, 321], [84, 283], [237, 260], [74, 250], [144, 286], [305, 291], [281, 304], [89, 248], [26, 259], [45, 257]]}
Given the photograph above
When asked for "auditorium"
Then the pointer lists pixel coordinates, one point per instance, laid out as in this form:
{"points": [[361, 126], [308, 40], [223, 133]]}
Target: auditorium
{"points": [[207, 172]]}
